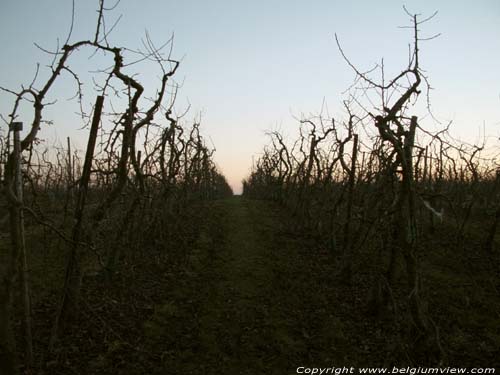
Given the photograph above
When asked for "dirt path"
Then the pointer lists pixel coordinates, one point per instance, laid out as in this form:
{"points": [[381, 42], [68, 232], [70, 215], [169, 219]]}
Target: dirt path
{"points": [[251, 302]]}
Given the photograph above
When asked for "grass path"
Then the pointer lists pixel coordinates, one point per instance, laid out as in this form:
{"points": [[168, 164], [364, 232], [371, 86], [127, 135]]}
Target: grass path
{"points": [[237, 321]]}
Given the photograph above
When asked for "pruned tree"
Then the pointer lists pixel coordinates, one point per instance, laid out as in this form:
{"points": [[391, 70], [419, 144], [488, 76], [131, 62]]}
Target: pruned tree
{"points": [[398, 130]]}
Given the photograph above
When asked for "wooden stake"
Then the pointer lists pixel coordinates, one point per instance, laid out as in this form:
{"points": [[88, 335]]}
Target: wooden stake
{"points": [[16, 127], [69, 305]]}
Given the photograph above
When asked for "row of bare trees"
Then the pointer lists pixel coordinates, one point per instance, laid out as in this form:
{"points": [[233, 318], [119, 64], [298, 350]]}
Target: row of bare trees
{"points": [[371, 186], [144, 167]]}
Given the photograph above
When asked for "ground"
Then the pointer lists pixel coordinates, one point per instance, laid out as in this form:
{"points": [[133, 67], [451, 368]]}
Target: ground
{"points": [[252, 296], [257, 303]]}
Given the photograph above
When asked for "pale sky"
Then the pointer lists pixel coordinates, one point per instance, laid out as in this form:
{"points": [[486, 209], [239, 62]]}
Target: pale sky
{"points": [[250, 66]]}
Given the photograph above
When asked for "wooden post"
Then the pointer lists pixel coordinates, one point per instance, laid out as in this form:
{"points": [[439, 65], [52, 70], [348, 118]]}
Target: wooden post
{"points": [[350, 193], [16, 128], [69, 305], [70, 171], [69, 183], [347, 245], [424, 178]]}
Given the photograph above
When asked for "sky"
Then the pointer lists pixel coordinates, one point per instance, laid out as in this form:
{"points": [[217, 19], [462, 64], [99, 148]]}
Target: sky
{"points": [[253, 66]]}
